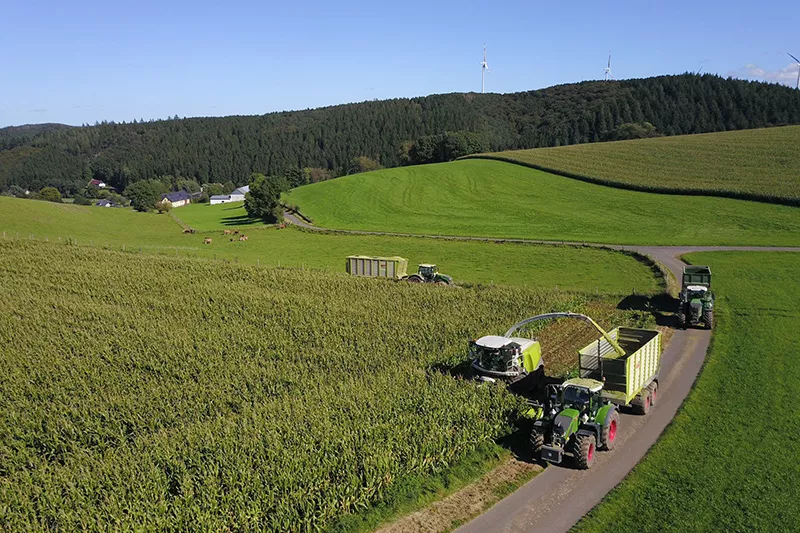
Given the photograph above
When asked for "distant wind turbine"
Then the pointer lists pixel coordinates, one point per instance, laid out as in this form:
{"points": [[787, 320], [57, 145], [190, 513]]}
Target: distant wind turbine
{"points": [[798, 69], [609, 76], [484, 68]]}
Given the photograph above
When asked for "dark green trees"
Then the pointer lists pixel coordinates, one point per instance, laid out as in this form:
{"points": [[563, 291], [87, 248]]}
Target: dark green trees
{"points": [[263, 200]]}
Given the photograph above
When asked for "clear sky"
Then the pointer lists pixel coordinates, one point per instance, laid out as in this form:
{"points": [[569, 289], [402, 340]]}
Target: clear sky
{"points": [[84, 61]]}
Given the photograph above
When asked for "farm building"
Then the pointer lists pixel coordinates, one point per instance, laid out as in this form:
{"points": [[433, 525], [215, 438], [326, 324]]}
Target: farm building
{"points": [[106, 203], [235, 196], [97, 183], [177, 199]]}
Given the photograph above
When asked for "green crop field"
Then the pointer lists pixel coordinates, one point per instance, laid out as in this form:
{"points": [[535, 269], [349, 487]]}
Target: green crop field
{"points": [[589, 270], [729, 460], [762, 164], [492, 198], [148, 392], [206, 217]]}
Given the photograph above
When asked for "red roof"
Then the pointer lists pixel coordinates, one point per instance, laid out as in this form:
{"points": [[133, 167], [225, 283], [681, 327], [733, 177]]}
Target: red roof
{"points": [[95, 182]]}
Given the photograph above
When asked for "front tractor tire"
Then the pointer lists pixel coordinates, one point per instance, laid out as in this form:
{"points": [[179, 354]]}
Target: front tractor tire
{"points": [[584, 448], [610, 431], [536, 441], [708, 318]]}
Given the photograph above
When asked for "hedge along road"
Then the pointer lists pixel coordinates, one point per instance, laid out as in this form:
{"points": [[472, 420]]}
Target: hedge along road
{"points": [[557, 499]]}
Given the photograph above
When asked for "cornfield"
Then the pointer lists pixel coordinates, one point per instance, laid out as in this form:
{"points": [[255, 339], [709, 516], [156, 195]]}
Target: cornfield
{"points": [[146, 392]]}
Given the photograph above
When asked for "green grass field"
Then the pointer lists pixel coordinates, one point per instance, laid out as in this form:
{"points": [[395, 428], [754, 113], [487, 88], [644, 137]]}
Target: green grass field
{"points": [[491, 198], [206, 217], [158, 393], [729, 460], [533, 266], [760, 164]]}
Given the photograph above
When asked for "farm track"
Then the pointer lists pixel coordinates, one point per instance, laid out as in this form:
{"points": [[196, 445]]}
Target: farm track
{"points": [[559, 497]]}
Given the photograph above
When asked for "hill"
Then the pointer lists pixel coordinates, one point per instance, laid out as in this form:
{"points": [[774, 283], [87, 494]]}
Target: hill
{"points": [[759, 164], [497, 199], [328, 139], [176, 394]]}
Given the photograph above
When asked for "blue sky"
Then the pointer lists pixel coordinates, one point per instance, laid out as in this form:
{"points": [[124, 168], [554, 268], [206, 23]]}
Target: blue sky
{"points": [[81, 62]]}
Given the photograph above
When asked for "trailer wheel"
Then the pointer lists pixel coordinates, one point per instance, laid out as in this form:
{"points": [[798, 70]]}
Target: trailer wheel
{"points": [[641, 404], [653, 388], [610, 431], [584, 448], [537, 441]]}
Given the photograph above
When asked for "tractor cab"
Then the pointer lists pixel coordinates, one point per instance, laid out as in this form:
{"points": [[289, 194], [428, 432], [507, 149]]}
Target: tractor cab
{"points": [[428, 271], [582, 395], [696, 292]]}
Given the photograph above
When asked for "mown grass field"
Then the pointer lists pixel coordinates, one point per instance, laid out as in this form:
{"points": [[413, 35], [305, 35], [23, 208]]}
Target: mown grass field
{"points": [[568, 268], [160, 393], [206, 217], [762, 164], [497, 199], [729, 460]]}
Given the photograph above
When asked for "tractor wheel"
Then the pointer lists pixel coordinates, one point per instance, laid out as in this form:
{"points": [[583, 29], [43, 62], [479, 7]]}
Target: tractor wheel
{"points": [[584, 448], [708, 318], [681, 319], [441, 282], [653, 389], [536, 441], [610, 431], [641, 404], [414, 279]]}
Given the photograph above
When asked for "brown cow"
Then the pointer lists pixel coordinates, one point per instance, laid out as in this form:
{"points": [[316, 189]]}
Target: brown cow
{"points": [[243, 238], [207, 240], [226, 232]]}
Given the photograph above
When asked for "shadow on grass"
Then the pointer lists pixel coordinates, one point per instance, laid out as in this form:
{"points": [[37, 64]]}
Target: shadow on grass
{"points": [[661, 306], [241, 220]]}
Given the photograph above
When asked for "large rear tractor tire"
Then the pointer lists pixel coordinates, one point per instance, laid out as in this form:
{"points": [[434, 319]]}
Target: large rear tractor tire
{"points": [[584, 448], [414, 279], [708, 318], [610, 430], [641, 404], [536, 441], [653, 389], [681, 319]]}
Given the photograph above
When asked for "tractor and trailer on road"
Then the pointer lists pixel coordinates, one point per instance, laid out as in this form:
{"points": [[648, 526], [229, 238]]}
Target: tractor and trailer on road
{"points": [[620, 369]]}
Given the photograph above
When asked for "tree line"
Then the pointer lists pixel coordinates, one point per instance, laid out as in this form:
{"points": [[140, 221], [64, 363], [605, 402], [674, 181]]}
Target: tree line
{"points": [[318, 144]]}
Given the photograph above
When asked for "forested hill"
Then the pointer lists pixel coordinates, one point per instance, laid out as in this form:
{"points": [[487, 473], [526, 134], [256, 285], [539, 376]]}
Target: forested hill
{"points": [[328, 139]]}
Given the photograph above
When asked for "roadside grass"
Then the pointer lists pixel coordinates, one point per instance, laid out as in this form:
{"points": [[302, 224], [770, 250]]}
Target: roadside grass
{"points": [[207, 217], [729, 460], [547, 267], [497, 199], [759, 164]]}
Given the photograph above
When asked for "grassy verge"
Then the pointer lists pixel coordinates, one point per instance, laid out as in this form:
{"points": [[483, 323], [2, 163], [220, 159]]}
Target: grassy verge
{"points": [[759, 164], [728, 461], [495, 199]]}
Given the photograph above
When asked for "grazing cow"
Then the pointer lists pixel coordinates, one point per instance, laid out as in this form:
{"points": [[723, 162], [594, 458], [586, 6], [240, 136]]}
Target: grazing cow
{"points": [[243, 238], [226, 232], [207, 240]]}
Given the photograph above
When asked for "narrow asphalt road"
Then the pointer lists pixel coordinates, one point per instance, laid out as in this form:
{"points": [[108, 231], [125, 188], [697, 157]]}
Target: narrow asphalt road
{"points": [[556, 499]]}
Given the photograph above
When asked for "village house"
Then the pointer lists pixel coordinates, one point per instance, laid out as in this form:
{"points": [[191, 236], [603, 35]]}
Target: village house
{"points": [[177, 199]]}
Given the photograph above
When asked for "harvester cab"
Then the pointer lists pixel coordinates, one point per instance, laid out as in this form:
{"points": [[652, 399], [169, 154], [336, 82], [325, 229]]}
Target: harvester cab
{"points": [[696, 304], [514, 360], [429, 273]]}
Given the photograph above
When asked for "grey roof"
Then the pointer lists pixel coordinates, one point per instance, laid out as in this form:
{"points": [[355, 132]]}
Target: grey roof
{"points": [[242, 190], [104, 203], [176, 196], [221, 197]]}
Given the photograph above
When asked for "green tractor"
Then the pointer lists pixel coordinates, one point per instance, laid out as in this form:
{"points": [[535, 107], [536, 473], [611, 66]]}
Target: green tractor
{"points": [[580, 421], [429, 273], [696, 304]]}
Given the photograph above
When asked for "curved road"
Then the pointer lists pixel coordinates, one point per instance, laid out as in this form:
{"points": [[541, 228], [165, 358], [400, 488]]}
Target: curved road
{"points": [[541, 504]]}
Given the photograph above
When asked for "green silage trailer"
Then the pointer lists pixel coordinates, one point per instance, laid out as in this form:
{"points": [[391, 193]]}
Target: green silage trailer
{"points": [[377, 267], [630, 379]]}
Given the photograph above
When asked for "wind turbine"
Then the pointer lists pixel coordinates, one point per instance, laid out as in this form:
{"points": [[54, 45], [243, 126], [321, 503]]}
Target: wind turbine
{"points": [[609, 76], [484, 68], [798, 69]]}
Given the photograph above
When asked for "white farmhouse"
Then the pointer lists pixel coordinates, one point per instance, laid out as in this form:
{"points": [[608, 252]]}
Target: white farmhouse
{"points": [[177, 199], [236, 196]]}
